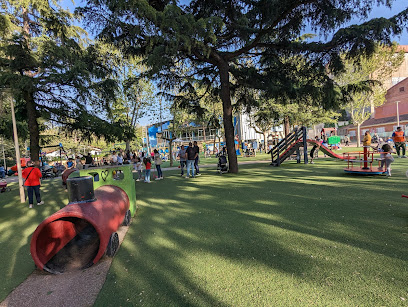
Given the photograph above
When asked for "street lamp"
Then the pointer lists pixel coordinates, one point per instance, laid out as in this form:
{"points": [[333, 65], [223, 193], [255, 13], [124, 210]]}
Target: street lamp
{"points": [[398, 121]]}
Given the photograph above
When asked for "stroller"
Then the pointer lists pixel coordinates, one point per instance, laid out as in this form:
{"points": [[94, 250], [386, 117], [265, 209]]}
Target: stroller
{"points": [[47, 172], [3, 186], [222, 166]]}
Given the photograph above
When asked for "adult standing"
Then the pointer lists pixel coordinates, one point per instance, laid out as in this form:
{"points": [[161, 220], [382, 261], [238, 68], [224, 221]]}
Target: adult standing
{"points": [[347, 140], [197, 159], [367, 138], [120, 159], [32, 176], [88, 160], [78, 163], [182, 155], [191, 155], [399, 140], [114, 158], [158, 161]]}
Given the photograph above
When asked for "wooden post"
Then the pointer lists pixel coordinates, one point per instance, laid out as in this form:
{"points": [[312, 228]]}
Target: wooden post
{"points": [[20, 175], [305, 157]]}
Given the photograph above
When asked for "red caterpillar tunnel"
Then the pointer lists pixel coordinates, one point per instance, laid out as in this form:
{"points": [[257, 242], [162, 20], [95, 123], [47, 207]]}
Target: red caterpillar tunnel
{"points": [[78, 235]]}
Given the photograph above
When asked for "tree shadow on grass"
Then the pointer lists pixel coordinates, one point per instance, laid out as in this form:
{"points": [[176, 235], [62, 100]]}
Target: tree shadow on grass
{"points": [[190, 235]]}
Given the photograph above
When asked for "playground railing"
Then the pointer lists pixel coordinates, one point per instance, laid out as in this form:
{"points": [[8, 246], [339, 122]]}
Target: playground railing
{"points": [[282, 150]]}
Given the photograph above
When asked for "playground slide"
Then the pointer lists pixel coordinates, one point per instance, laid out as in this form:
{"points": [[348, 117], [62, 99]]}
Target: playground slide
{"points": [[325, 150]]}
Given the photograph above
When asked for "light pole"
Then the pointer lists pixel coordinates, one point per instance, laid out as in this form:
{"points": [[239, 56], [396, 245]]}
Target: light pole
{"points": [[20, 175], [4, 156], [398, 121]]}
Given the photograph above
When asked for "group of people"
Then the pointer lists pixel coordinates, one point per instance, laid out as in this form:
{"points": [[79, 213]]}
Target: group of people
{"points": [[189, 157], [141, 160], [385, 149]]}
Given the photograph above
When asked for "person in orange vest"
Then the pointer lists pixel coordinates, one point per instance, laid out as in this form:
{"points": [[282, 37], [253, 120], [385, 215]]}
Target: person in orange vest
{"points": [[399, 140]]}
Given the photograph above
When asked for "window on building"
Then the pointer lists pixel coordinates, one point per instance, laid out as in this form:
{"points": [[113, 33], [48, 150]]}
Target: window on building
{"points": [[352, 133], [380, 130]]}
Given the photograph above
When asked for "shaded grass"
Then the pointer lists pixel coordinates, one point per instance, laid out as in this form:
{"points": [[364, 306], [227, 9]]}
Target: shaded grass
{"points": [[17, 224], [297, 235]]}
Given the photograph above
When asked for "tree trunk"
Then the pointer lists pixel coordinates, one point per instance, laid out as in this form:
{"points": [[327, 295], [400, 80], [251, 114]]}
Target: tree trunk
{"points": [[32, 127], [265, 143], [171, 152], [358, 135], [286, 125], [127, 145], [204, 136], [215, 138], [227, 116]]}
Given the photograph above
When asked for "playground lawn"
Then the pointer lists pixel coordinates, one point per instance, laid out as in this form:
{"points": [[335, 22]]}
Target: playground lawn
{"points": [[214, 160], [17, 224], [259, 157], [296, 235]]}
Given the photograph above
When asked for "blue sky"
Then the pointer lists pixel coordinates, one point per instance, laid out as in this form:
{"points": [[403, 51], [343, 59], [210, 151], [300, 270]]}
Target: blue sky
{"points": [[378, 11]]}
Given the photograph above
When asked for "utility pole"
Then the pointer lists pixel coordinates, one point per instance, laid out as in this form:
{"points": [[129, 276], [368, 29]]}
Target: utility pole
{"points": [[20, 175], [4, 156], [398, 121]]}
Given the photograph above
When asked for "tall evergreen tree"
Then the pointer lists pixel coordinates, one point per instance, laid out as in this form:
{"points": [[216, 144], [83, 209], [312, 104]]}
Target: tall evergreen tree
{"points": [[51, 70], [222, 40]]}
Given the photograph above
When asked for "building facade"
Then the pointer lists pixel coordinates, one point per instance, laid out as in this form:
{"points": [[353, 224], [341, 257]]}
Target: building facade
{"points": [[386, 118]]}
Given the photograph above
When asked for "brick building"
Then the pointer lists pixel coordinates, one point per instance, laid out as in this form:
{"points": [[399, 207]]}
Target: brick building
{"points": [[384, 120]]}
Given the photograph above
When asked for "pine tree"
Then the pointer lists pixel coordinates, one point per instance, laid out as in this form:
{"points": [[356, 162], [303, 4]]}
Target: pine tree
{"points": [[223, 41], [52, 70]]}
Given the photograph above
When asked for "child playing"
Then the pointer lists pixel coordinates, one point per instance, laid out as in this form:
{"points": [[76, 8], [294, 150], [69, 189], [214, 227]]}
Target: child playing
{"points": [[148, 166], [387, 158], [138, 168]]}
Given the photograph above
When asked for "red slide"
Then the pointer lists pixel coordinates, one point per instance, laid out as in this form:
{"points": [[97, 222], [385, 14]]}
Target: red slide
{"points": [[325, 150]]}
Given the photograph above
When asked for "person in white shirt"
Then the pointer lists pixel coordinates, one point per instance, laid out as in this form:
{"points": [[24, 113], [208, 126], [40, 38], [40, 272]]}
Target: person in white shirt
{"points": [[114, 158], [120, 159], [138, 168]]}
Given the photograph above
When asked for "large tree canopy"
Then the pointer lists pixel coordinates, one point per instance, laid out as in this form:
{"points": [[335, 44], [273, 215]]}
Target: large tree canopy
{"points": [[52, 71], [239, 43]]}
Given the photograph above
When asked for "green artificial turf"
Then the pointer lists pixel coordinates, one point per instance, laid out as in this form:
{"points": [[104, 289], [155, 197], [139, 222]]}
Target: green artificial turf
{"points": [[17, 224], [297, 235], [214, 160]]}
